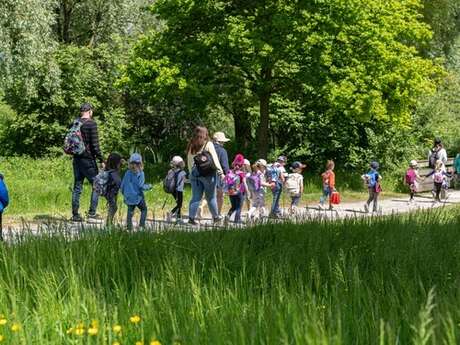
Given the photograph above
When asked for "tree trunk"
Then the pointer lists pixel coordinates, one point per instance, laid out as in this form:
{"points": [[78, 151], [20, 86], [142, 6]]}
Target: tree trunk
{"points": [[243, 127], [264, 99]]}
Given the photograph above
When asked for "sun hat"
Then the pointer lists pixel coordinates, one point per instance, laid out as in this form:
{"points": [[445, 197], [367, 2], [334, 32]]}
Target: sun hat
{"points": [[220, 137], [261, 162], [176, 160], [247, 162], [413, 163], [297, 165], [239, 160], [85, 107], [135, 158]]}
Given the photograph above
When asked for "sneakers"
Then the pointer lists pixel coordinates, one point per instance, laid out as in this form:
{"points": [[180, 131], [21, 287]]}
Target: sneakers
{"points": [[76, 218], [217, 220], [366, 208], [94, 216], [192, 222]]}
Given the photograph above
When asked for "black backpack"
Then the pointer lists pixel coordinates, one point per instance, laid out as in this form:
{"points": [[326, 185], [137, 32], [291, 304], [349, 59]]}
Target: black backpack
{"points": [[433, 159], [170, 181], [204, 164]]}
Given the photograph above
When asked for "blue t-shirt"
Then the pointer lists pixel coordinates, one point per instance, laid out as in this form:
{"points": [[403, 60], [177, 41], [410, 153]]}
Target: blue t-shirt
{"points": [[4, 197], [133, 187]]}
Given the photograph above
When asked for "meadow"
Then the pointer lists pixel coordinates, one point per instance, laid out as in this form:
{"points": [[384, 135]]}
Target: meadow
{"points": [[392, 280], [41, 189]]}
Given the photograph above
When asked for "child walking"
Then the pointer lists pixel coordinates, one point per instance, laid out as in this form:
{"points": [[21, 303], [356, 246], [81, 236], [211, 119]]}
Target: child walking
{"points": [[133, 187], [276, 177], [439, 180], [256, 185], [178, 166], [4, 201], [294, 185], [236, 187], [328, 178], [412, 178], [113, 167], [372, 180]]}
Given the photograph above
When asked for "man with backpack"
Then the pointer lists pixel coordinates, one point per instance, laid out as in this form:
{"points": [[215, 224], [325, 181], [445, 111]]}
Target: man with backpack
{"points": [[82, 142]]}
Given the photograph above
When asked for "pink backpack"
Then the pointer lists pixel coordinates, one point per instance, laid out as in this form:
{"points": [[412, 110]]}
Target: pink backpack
{"points": [[232, 183], [438, 177], [411, 176]]}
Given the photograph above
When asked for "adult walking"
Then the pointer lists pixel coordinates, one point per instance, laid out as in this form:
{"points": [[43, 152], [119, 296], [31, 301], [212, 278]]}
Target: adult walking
{"points": [[205, 169], [84, 164], [438, 152], [219, 140]]}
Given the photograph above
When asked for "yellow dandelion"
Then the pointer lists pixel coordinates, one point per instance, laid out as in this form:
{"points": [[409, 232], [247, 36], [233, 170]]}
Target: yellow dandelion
{"points": [[135, 319], [79, 331], [116, 343], [139, 343], [92, 331], [155, 342], [2, 337], [95, 324], [15, 327], [3, 321], [116, 329], [70, 330]]}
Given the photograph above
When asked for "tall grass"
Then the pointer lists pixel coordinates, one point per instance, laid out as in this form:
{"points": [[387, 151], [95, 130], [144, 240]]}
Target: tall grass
{"points": [[367, 281]]}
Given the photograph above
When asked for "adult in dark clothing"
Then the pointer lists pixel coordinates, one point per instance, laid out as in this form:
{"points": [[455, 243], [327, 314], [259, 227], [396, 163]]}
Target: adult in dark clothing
{"points": [[85, 165], [219, 140]]}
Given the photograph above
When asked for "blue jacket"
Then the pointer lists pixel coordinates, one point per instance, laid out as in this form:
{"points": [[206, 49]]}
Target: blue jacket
{"points": [[133, 187], [223, 157], [4, 198]]}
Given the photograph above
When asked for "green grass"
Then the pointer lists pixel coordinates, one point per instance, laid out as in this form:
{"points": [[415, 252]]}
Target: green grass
{"points": [[381, 281], [42, 188]]}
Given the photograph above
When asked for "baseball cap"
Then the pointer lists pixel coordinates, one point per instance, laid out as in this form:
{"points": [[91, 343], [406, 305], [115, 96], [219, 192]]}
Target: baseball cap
{"points": [[176, 160], [374, 165], [261, 162], [220, 137], [85, 107], [135, 158], [298, 165], [282, 159], [413, 163], [247, 162]]}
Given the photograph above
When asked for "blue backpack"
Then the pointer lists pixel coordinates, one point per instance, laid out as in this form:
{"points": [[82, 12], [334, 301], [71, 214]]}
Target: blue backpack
{"points": [[273, 173]]}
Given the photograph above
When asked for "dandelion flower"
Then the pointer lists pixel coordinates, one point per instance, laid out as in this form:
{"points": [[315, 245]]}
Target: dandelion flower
{"points": [[2, 337], [15, 327], [135, 319], [79, 331], [116, 343], [92, 331], [116, 329], [155, 342], [3, 321], [70, 330], [95, 324], [139, 343]]}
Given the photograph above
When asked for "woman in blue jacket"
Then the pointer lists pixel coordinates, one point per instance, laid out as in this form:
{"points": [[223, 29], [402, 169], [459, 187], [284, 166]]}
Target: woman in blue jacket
{"points": [[4, 201]]}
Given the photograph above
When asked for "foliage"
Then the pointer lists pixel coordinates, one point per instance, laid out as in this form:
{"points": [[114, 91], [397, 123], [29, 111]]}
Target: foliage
{"points": [[354, 62], [361, 281]]}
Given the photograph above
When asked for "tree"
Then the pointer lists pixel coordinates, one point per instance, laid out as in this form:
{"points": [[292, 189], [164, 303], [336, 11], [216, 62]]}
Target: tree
{"points": [[352, 59]]}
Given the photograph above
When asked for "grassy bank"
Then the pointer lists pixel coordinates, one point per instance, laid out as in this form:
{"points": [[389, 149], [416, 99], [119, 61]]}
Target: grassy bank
{"points": [[387, 281], [42, 188]]}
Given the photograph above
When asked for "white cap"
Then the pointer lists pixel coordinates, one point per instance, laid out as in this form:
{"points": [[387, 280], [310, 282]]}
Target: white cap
{"points": [[220, 137], [247, 162], [176, 160], [413, 163], [261, 162]]}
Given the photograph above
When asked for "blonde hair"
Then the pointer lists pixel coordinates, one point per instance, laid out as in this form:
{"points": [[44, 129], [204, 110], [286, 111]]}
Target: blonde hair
{"points": [[438, 165], [135, 166], [330, 164]]}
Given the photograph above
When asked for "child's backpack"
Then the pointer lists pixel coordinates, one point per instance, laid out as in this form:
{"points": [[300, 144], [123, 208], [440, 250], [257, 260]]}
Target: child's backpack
{"points": [[433, 159], [73, 142], [232, 183], [254, 182], [438, 177], [293, 184], [411, 177], [204, 163], [170, 181], [101, 183]]}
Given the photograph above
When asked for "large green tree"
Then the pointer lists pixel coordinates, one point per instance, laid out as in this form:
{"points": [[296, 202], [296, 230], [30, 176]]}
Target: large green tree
{"points": [[355, 58]]}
